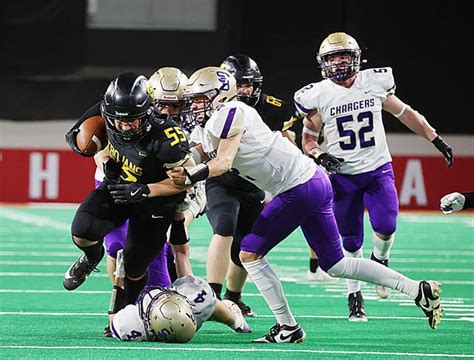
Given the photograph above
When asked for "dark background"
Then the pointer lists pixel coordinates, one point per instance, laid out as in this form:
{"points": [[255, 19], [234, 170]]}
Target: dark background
{"points": [[48, 55]]}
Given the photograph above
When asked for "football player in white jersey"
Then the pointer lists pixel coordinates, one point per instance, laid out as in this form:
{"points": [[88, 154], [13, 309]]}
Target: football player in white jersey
{"points": [[349, 104], [174, 314], [233, 135]]}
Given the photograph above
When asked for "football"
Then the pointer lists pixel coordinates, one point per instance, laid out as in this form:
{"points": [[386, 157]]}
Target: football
{"points": [[92, 135]]}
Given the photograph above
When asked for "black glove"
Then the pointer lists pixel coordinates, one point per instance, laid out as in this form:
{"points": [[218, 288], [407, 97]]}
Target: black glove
{"points": [[445, 149], [71, 141], [129, 193], [112, 171], [331, 163]]}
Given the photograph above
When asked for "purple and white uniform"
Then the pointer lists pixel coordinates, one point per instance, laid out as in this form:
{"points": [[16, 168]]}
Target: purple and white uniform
{"points": [[303, 193], [354, 131]]}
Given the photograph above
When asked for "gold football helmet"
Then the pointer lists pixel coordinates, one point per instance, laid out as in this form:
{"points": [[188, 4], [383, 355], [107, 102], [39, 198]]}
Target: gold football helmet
{"points": [[167, 85], [217, 84], [339, 43], [170, 318]]}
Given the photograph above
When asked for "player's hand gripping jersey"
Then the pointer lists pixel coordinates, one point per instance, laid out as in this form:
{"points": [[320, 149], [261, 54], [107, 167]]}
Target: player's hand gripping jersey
{"points": [[264, 158], [129, 323], [352, 118]]}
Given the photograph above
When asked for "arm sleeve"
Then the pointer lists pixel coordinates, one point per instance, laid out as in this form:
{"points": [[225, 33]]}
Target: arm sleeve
{"points": [[229, 122], [469, 202]]}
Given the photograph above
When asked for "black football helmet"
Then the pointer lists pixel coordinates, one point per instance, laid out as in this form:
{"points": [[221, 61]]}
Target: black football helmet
{"points": [[127, 99], [245, 70]]}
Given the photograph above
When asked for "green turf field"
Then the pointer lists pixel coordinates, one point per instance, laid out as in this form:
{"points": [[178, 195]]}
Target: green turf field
{"points": [[41, 320]]}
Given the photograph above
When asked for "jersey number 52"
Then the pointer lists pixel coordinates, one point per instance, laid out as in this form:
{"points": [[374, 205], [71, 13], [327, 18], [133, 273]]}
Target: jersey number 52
{"points": [[351, 142]]}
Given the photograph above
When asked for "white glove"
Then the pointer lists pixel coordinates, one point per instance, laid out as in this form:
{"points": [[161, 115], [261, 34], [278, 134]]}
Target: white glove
{"points": [[452, 202]]}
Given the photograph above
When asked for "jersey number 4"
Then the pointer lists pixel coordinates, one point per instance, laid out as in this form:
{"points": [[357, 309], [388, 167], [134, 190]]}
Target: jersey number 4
{"points": [[351, 142]]}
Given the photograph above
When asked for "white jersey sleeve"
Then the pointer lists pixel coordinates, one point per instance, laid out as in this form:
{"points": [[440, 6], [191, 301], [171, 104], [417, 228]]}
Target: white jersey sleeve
{"points": [[201, 296], [307, 98], [352, 118], [230, 121], [128, 326], [265, 158]]}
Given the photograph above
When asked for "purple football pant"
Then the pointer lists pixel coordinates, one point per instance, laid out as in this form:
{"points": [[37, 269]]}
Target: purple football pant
{"points": [[374, 190], [157, 269], [308, 205]]}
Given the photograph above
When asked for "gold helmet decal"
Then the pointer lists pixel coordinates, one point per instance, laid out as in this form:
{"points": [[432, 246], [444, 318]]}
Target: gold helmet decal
{"points": [[217, 84]]}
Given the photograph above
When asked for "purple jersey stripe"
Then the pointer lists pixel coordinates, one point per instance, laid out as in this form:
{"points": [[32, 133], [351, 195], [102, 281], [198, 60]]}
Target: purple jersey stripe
{"points": [[302, 108], [117, 335], [228, 123]]}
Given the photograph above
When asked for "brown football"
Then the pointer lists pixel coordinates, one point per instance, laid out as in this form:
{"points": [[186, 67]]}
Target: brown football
{"points": [[92, 136]]}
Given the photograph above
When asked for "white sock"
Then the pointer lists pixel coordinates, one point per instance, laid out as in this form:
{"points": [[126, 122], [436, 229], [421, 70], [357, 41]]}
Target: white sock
{"points": [[270, 287], [373, 272], [353, 285], [382, 248]]}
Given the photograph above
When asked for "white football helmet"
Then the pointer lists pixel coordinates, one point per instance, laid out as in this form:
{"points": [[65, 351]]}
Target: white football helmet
{"points": [[169, 316], [339, 43], [167, 85], [217, 84]]}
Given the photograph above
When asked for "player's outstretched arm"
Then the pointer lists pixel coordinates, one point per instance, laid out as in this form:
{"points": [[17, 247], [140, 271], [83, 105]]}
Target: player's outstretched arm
{"points": [[417, 123], [455, 202]]}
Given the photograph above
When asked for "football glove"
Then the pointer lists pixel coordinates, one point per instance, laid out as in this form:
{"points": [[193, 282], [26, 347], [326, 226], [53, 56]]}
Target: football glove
{"points": [[452, 202], [331, 163], [129, 193], [445, 149], [71, 141]]}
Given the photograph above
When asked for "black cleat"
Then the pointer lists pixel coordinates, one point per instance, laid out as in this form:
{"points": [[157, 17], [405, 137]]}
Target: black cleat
{"points": [[382, 291], [79, 271], [283, 334], [356, 307], [107, 332], [428, 300], [246, 310]]}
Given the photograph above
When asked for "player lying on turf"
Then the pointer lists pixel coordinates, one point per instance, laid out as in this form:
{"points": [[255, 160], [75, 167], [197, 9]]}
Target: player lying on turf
{"points": [[174, 314]]}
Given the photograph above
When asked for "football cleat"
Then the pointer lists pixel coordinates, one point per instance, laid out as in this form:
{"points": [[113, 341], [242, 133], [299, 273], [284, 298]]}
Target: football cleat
{"points": [[428, 300], [246, 310], [356, 307], [382, 291], [79, 271], [283, 334], [240, 324], [320, 275]]}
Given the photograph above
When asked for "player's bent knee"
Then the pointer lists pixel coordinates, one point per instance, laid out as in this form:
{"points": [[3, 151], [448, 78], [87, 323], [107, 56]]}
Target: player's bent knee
{"points": [[246, 256]]}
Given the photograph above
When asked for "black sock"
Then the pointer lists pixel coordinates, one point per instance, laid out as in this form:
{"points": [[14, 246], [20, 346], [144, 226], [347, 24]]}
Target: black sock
{"points": [[313, 265], [217, 289], [117, 300], [134, 287], [94, 253], [232, 295]]}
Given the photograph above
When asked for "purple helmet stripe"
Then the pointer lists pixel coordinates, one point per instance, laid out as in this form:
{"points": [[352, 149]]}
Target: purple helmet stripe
{"points": [[228, 123]]}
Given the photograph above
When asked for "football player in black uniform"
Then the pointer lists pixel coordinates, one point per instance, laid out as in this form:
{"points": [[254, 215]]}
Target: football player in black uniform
{"points": [[143, 144], [279, 115]]}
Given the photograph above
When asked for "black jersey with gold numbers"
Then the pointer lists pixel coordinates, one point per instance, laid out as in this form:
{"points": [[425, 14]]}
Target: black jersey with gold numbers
{"points": [[276, 113], [146, 160]]}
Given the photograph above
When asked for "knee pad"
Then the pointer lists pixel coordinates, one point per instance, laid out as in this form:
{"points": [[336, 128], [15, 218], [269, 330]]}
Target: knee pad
{"points": [[87, 227]]}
